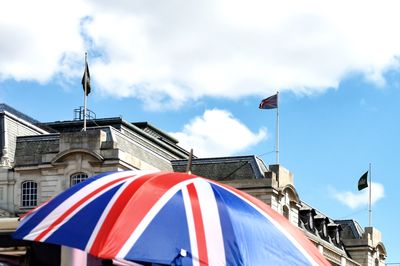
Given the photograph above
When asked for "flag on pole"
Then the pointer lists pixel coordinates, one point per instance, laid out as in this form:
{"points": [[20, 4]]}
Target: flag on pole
{"points": [[269, 103], [363, 181], [86, 79]]}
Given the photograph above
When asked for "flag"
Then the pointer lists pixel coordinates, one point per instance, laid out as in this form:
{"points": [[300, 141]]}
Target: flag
{"points": [[269, 103], [363, 182], [86, 79]]}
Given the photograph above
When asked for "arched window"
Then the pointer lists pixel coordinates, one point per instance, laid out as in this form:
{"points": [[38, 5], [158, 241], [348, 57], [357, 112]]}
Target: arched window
{"points": [[29, 194], [286, 211], [324, 230], [77, 178]]}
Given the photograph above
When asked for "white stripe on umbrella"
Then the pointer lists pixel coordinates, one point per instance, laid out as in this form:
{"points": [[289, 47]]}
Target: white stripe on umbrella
{"points": [[110, 205], [191, 227], [212, 223], [71, 201], [149, 217]]}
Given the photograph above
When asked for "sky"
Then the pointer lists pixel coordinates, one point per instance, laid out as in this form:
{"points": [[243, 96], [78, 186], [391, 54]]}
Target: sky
{"points": [[199, 69]]}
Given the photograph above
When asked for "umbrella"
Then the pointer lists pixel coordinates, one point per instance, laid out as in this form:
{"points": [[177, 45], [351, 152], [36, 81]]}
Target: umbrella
{"points": [[168, 218]]}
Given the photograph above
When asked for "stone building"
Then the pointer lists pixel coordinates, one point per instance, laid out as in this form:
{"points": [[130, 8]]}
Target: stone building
{"points": [[342, 242], [39, 160]]}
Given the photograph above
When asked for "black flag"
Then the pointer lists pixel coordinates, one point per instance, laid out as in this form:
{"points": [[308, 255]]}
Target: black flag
{"points": [[86, 79], [363, 181]]}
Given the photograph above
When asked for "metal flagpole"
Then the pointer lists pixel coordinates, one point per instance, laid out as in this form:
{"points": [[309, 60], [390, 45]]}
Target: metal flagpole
{"points": [[370, 198], [277, 128], [85, 95]]}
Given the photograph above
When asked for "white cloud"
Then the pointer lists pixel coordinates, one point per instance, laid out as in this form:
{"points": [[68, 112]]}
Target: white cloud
{"points": [[39, 38], [217, 133], [181, 50], [360, 198]]}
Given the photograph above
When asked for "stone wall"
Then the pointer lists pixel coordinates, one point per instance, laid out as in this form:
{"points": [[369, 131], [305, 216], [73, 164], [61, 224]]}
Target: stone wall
{"points": [[51, 159], [14, 128]]}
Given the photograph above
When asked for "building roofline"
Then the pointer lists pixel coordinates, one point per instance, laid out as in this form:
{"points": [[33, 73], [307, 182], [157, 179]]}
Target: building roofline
{"points": [[218, 159], [162, 133], [102, 122], [6, 108], [251, 159], [354, 226]]}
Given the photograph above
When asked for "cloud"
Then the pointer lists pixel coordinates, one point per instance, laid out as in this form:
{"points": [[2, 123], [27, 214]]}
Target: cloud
{"points": [[361, 198], [39, 39], [217, 133], [184, 50]]}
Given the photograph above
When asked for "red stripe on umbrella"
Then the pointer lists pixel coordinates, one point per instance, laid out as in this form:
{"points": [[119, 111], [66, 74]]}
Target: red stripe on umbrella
{"points": [[76, 206], [199, 225], [126, 224]]}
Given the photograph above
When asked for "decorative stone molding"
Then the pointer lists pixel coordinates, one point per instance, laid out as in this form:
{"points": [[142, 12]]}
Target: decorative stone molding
{"points": [[5, 161]]}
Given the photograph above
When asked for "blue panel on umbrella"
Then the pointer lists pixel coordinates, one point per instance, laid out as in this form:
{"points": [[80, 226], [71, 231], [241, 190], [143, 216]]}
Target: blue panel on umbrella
{"points": [[76, 232], [232, 250], [165, 236], [25, 227], [250, 238]]}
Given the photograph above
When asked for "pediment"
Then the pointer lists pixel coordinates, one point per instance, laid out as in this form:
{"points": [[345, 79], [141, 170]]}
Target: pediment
{"points": [[291, 192], [382, 250], [61, 157]]}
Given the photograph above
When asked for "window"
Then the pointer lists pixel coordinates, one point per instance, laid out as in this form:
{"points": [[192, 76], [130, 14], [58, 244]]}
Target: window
{"points": [[324, 230], [286, 211], [29, 194], [77, 178], [337, 237], [311, 221]]}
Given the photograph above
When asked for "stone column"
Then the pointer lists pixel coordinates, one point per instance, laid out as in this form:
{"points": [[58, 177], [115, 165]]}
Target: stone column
{"points": [[73, 257], [5, 161]]}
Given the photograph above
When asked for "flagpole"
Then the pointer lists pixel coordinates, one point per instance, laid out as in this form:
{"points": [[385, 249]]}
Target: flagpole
{"points": [[277, 128], [370, 198], [85, 95]]}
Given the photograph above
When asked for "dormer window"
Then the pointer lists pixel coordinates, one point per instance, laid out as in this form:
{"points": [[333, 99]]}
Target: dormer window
{"points": [[321, 225], [286, 211], [307, 217], [311, 221], [334, 233], [324, 230]]}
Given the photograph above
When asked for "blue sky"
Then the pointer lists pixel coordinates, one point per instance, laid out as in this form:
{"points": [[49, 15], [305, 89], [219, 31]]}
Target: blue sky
{"points": [[199, 70]]}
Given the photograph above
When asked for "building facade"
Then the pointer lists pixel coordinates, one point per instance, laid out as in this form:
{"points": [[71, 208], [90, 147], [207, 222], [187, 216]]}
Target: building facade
{"points": [[342, 242], [40, 160]]}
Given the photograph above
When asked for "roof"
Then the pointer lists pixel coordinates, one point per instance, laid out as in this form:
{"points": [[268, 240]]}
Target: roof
{"points": [[142, 128], [116, 122], [6, 108], [351, 228], [224, 168], [155, 132]]}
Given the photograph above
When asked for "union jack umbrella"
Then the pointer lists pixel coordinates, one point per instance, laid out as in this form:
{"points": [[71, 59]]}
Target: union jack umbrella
{"points": [[168, 218]]}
